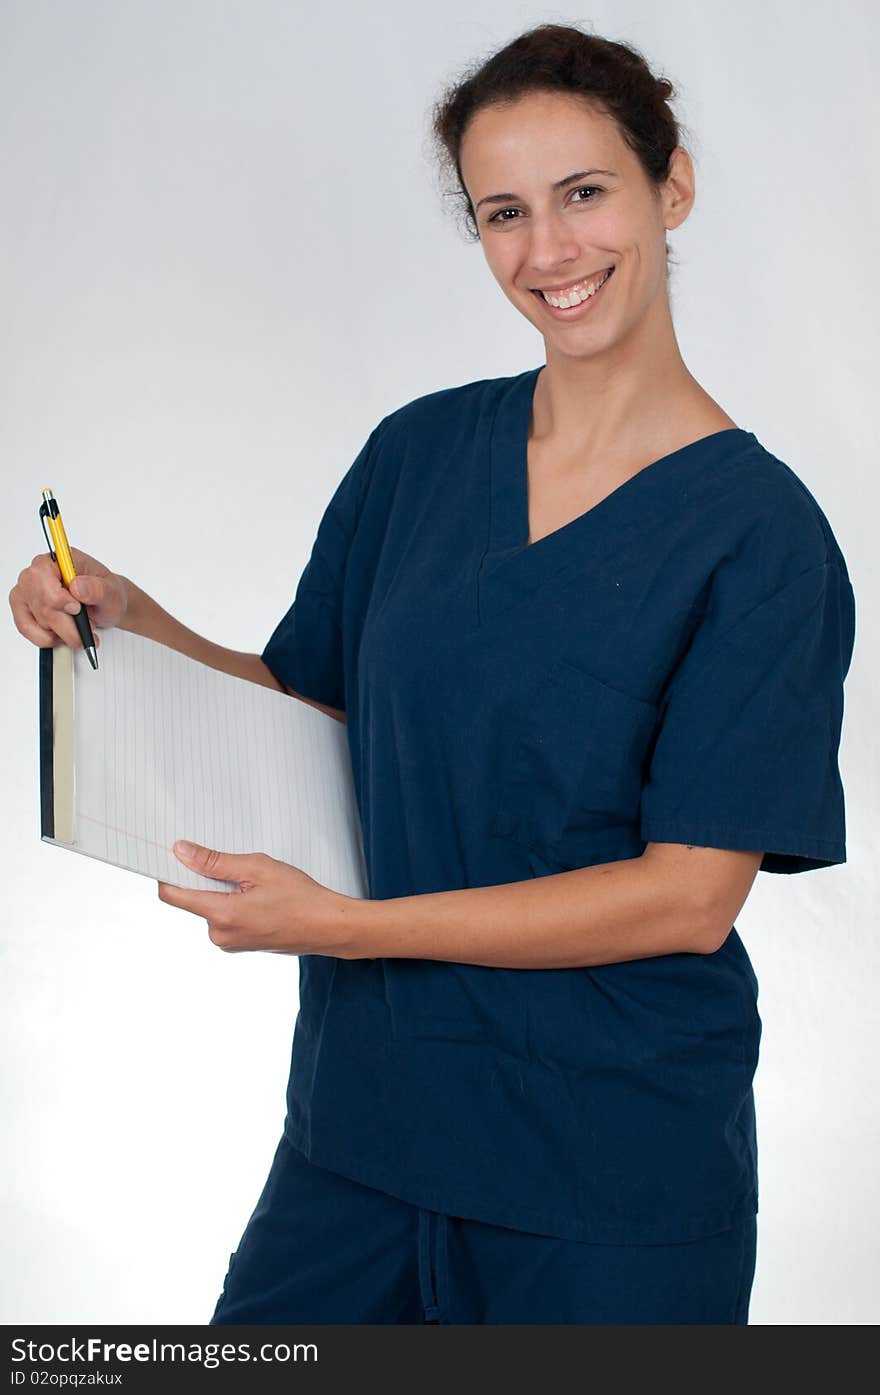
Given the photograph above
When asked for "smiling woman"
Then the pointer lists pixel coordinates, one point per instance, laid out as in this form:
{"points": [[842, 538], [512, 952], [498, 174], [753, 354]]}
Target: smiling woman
{"points": [[589, 640]]}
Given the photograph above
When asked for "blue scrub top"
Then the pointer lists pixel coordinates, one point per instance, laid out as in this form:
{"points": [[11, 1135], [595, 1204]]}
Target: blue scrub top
{"points": [[666, 667]]}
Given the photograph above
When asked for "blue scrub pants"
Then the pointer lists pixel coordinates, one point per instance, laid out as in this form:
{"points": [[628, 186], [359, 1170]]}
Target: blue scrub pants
{"points": [[320, 1248]]}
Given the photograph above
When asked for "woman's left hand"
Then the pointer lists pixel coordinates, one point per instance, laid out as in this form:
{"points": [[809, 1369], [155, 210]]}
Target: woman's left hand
{"points": [[275, 907]]}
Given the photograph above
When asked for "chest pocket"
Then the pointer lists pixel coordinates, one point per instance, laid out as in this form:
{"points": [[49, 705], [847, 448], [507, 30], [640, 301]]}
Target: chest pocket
{"points": [[572, 767]]}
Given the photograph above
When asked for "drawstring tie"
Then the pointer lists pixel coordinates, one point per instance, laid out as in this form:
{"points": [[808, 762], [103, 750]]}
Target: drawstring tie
{"points": [[433, 1283]]}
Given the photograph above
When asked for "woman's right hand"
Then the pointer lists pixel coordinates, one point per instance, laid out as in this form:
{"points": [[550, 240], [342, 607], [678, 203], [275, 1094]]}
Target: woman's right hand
{"points": [[39, 599]]}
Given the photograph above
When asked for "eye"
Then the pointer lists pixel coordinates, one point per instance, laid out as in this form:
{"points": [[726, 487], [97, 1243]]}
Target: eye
{"points": [[496, 217], [581, 189]]}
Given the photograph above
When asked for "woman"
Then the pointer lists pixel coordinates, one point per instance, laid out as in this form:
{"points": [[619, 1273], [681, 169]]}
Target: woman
{"points": [[589, 639]]}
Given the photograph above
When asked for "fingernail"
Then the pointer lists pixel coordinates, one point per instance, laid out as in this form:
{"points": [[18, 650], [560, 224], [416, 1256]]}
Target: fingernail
{"points": [[184, 849], [72, 607]]}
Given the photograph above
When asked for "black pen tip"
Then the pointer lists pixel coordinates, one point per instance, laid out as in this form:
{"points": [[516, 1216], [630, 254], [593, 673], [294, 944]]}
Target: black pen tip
{"points": [[93, 657]]}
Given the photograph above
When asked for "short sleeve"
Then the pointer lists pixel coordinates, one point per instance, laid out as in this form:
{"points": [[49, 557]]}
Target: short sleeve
{"points": [[305, 650], [745, 755]]}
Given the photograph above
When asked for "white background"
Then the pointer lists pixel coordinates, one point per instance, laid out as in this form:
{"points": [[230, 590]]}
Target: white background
{"points": [[224, 257]]}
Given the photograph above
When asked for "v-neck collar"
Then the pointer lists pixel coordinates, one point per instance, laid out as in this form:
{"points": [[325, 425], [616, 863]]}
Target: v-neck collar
{"points": [[512, 567]]}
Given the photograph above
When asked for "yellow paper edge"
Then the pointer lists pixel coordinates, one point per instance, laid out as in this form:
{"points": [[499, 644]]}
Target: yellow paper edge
{"points": [[63, 743]]}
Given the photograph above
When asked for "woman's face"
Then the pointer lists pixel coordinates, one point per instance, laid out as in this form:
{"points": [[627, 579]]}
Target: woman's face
{"points": [[535, 235]]}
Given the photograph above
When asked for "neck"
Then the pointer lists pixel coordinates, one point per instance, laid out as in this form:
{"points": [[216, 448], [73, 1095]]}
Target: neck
{"points": [[607, 404]]}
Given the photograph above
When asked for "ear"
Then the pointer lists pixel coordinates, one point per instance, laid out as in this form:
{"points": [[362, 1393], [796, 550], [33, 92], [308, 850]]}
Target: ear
{"points": [[679, 190]]}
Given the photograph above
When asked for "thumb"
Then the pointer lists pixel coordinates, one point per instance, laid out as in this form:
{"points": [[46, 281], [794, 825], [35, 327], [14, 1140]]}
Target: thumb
{"points": [[83, 588], [230, 867]]}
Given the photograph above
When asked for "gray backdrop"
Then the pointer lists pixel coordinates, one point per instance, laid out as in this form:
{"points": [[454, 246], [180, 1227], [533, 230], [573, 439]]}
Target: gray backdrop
{"points": [[223, 258]]}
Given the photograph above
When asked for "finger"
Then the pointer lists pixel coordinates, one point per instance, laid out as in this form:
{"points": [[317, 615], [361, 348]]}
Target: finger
{"points": [[38, 604], [72, 608], [53, 594], [91, 590], [76, 599], [224, 939], [213, 905], [43, 628], [42, 561], [229, 867], [42, 581], [27, 625], [61, 626]]}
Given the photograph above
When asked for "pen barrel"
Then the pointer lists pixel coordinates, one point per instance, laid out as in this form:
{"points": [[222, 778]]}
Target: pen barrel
{"points": [[62, 551], [81, 620]]}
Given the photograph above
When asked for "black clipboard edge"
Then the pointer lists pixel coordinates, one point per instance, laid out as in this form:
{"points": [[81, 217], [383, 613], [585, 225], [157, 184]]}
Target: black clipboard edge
{"points": [[47, 762]]}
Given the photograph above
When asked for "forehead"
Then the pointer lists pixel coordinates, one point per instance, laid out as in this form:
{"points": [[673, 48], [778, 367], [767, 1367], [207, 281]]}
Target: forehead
{"points": [[529, 138]]}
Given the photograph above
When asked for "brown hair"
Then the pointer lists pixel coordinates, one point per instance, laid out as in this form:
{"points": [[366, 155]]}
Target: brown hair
{"points": [[614, 77]]}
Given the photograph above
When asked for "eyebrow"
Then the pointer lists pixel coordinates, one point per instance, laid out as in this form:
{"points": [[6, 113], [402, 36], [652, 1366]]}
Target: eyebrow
{"points": [[560, 184]]}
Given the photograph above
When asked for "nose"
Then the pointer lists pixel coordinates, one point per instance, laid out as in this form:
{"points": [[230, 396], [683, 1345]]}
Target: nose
{"points": [[551, 245]]}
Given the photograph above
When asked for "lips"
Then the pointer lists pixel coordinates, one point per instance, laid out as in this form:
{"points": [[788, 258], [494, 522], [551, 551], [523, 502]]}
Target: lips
{"points": [[564, 314], [581, 281]]}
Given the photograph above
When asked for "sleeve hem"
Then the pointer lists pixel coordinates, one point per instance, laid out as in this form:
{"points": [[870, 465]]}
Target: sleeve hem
{"points": [[287, 675], [774, 843]]}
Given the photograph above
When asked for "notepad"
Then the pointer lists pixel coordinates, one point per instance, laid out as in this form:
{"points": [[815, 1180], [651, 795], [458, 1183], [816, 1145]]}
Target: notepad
{"points": [[155, 746]]}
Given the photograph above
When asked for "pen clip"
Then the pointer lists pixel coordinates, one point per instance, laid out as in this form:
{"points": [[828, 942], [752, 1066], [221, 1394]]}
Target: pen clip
{"points": [[44, 513]]}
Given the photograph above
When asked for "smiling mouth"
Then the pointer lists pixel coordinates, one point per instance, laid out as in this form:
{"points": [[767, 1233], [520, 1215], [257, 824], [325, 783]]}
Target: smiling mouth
{"points": [[580, 307]]}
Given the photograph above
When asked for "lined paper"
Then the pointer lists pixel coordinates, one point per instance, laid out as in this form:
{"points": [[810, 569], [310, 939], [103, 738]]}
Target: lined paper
{"points": [[167, 748]]}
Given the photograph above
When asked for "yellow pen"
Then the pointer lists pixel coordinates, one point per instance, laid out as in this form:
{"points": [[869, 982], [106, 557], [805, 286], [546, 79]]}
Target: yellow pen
{"points": [[59, 551]]}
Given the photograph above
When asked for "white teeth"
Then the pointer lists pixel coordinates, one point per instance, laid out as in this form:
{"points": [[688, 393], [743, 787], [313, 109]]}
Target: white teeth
{"points": [[574, 297]]}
